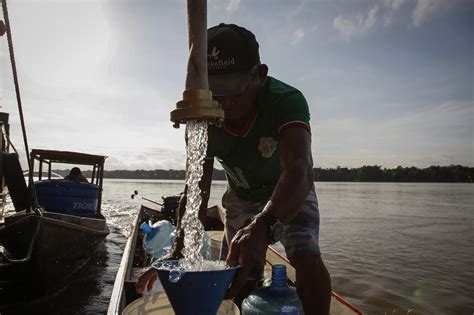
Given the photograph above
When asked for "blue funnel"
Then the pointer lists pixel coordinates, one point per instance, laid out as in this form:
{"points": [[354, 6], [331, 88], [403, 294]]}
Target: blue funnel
{"points": [[197, 292]]}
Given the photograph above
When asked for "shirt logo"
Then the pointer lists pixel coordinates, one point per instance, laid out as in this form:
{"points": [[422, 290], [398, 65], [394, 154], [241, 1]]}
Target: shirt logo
{"points": [[240, 180], [267, 146]]}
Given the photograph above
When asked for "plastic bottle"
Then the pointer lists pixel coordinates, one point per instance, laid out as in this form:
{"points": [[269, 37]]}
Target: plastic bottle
{"points": [[278, 298], [158, 236]]}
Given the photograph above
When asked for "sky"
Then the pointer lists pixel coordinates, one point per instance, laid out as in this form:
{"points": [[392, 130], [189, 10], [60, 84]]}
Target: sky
{"points": [[388, 82]]}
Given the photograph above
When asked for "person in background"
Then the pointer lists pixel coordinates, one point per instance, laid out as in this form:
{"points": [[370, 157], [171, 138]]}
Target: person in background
{"points": [[264, 146], [3, 28], [75, 175]]}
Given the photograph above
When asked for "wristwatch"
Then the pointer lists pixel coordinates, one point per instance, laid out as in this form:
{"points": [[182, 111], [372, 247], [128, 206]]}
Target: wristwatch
{"points": [[275, 228]]}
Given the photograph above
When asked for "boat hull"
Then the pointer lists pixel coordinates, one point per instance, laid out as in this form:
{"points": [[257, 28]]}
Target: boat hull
{"points": [[42, 252]]}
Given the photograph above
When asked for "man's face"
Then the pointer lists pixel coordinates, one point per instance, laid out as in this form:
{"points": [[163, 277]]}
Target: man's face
{"points": [[237, 107]]}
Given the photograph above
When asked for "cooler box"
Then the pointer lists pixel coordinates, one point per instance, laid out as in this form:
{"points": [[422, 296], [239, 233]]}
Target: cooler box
{"points": [[68, 197]]}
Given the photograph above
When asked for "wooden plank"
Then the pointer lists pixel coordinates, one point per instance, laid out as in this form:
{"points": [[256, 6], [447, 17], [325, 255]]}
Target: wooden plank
{"points": [[126, 264]]}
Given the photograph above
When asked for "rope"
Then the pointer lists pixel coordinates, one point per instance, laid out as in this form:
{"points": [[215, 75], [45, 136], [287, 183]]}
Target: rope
{"points": [[20, 108]]}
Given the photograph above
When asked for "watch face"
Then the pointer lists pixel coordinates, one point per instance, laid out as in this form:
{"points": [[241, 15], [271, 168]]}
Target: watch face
{"points": [[277, 233]]}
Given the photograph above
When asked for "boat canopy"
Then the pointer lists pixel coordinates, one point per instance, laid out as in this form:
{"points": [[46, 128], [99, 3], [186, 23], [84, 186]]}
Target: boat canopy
{"points": [[67, 157], [50, 156]]}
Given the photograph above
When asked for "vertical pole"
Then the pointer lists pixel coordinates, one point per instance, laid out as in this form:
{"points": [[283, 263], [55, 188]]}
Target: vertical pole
{"points": [[101, 179], [32, 159], [3, 144], [4, 121], [40, 172], [3, 149], [93, 174], [196, 76]]}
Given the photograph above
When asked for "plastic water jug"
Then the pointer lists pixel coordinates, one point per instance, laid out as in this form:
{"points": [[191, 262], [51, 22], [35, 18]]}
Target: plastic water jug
{"points": [[159, 237], [278, 298]]}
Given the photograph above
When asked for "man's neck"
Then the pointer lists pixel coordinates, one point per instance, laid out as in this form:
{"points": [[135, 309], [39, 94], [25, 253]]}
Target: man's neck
{"points": [[240, 123]]}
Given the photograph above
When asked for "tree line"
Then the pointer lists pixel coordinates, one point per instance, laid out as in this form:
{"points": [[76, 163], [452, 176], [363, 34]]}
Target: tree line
{"points": [[374, 173]]}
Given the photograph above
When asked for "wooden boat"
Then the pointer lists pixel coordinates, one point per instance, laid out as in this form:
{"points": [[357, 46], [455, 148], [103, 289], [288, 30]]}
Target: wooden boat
{"points": [[42, 249], [135, 259]]}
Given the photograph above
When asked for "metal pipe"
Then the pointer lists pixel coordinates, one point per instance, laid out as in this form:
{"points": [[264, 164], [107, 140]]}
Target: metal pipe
{"points": [[197, 103], [196, 76]]}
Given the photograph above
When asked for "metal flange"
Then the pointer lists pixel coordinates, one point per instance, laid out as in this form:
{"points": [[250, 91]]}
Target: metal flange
{"points": [[197, 105]]}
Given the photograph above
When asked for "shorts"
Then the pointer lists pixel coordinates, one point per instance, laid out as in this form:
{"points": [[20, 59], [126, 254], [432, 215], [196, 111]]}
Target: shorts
{"points": [[300, 237]]}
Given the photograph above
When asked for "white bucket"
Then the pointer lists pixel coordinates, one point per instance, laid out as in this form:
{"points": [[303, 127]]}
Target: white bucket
{"points": [[215, 240], [158, 303]]}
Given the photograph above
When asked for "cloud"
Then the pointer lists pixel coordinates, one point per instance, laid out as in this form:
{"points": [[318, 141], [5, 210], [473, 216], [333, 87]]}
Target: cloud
{"points": [[440, 134], [232, 6], [424, 9], [356, 25], [297, 36], [300, 33], [391, 6], [451, 117]]}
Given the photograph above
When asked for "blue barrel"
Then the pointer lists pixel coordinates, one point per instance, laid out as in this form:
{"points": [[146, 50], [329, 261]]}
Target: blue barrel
{"points": [[68, 197]]}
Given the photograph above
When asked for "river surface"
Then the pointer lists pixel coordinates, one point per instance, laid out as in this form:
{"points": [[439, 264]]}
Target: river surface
{"points": [[391, 248]]}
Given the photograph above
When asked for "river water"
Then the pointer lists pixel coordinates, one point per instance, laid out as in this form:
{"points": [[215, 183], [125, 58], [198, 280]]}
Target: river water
{"points": [[391, 248]]}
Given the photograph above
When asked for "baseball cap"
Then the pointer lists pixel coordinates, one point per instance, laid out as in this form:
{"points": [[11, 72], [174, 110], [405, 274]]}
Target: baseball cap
{"points": [[232, 52]]}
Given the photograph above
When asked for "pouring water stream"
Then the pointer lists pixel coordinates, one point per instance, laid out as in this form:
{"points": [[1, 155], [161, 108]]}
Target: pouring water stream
{"points": [[196, 132]]}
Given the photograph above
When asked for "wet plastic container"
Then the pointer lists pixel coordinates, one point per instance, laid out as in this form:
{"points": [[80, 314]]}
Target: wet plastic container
{"points": [[68, 197], [214, 248], [278, 298], [158, 237]]}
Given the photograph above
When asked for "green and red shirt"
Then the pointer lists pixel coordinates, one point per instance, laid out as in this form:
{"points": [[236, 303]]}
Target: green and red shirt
{"points": [[250, 156]]}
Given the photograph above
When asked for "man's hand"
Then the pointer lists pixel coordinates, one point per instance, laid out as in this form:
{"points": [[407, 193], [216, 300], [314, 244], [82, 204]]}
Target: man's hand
{"points": [[248, 249], [147, 279]]}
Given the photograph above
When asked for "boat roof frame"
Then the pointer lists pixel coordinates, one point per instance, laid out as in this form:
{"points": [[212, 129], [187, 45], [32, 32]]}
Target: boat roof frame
{"points": [[67, 157]]}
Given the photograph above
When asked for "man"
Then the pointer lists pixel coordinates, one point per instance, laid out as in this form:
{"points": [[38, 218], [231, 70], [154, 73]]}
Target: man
{"points": [[264, 147], [75, 175], [3, 28]]}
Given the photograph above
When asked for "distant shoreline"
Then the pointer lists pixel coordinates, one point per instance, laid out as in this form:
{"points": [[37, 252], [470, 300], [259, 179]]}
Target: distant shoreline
{"points": [[375, 173]]}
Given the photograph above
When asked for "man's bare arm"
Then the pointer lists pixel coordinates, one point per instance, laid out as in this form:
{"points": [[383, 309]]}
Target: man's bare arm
{"points": [[297, 177]]}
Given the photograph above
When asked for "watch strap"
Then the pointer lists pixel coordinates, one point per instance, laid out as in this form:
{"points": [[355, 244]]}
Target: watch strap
{"points": [[274, 226], [269, 219]]}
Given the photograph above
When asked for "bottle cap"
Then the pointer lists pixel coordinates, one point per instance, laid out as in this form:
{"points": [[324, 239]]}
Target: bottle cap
{"points": [[145, 227], [279, 275]]}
